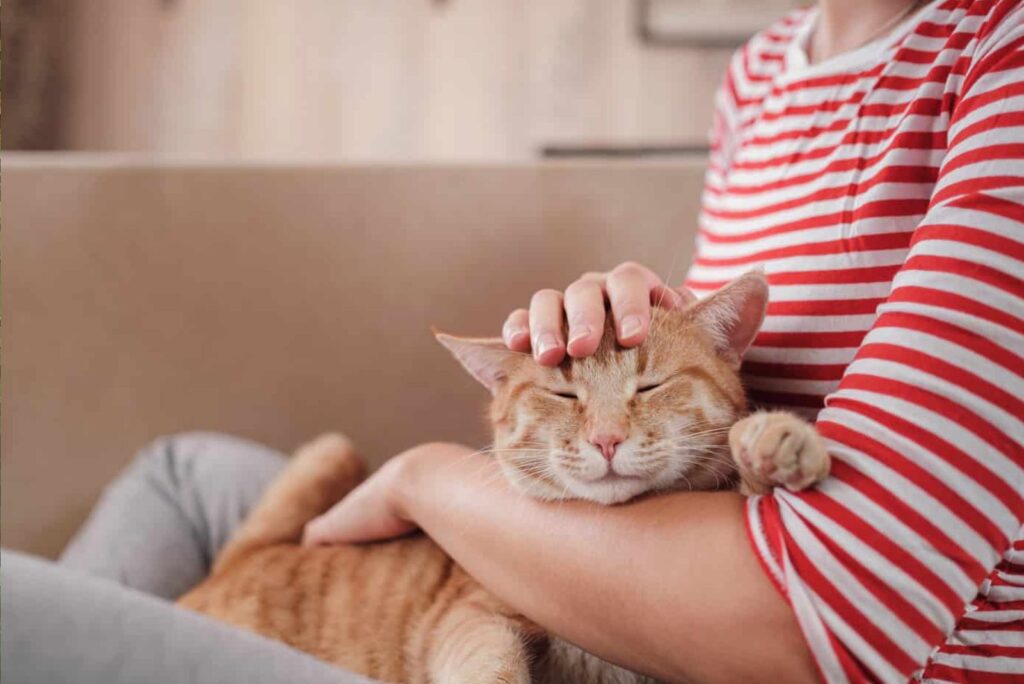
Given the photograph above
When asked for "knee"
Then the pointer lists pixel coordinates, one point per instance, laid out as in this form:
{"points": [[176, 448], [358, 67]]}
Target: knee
{"points": [[206, 454]]}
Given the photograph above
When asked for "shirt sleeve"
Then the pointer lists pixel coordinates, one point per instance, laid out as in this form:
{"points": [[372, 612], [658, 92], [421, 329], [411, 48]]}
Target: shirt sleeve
{"points": [[926, 429]]}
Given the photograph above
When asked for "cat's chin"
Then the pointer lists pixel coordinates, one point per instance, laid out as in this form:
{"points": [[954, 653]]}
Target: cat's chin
{"points": [[609, 490]]}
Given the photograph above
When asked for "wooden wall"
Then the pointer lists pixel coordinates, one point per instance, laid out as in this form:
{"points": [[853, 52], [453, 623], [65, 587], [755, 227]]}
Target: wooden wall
{"points": [[376, 79]]}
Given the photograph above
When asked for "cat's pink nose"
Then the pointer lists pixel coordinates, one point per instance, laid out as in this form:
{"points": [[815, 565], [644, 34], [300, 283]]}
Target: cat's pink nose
{"points": [[607, 444]]}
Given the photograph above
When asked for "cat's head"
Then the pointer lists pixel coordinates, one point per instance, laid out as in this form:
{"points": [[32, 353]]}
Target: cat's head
{"points": [[622, 422]]}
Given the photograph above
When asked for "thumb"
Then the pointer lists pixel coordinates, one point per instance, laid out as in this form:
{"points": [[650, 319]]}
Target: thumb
{"points": [[355, 519], [316, 532]]}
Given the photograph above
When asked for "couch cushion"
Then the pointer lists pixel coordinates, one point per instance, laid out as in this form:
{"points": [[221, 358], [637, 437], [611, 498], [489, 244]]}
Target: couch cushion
{"points": [[278, 301]]}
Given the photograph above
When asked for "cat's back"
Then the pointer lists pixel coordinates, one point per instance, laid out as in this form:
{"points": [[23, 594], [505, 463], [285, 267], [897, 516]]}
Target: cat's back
{"points": [[365, 608]]}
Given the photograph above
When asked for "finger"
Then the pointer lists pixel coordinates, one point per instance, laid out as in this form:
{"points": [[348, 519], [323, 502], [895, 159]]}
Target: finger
{"points": [[598, 277], [357, 518], [667, 297], [584, 309], [324, 528], [629, 291], [687, 295], [516, 331], [318, 530], [546, 316]]}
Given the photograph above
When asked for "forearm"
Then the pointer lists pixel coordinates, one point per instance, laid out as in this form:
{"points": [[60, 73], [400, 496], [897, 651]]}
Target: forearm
{"points": [[668, 585]]}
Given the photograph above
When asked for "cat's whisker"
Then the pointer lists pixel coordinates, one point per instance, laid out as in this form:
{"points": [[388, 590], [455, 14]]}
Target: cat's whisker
{"points": [[703, 460], [495, 450], [721, 478], [709, 431], [678, 445], [696, 443], [462, 459], [562, 497], [704, 422], [534, 469], [707, 448], [658, 320], [701, 455], [685, 443]]}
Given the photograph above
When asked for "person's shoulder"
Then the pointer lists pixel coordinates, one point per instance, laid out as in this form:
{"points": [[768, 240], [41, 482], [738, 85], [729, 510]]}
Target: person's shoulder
{"points": [[988, 34], [1000, 19], [984, 19], [763, 54], [770, 43]]}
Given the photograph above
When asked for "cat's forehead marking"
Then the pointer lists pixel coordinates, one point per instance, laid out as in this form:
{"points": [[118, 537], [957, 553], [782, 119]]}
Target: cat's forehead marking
{"points": [[566, 370], [643, 356], [543, 437]]}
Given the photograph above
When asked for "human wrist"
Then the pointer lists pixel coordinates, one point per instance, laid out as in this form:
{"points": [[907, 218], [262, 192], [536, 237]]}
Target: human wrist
{"points": [[413, 473]]}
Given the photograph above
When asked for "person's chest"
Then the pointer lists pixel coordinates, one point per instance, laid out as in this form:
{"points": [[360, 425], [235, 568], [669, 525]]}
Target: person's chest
{"points": [[827, 178]]}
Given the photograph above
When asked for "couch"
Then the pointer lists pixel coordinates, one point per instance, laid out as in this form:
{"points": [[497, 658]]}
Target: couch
{"points": [[274, 301]]}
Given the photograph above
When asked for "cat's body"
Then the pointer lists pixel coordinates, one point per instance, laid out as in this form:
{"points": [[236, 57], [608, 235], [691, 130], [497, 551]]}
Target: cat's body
{"points": [[607, 428], [384, 610]]}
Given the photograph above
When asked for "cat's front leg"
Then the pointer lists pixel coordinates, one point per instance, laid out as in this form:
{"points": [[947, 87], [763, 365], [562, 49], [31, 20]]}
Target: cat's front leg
{"points": [[777, 449]]}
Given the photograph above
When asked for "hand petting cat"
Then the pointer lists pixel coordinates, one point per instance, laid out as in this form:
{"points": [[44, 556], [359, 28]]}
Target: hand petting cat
{"points": [[651, 404], [631, 290], [373, 510]]}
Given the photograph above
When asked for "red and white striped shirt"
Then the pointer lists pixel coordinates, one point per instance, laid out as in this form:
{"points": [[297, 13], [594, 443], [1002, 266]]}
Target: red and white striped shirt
{"points": [[883, 192]]}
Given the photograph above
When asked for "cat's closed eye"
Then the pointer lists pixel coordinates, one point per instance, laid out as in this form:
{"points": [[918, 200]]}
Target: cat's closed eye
{"points": [[565, 395], [649, 387]]}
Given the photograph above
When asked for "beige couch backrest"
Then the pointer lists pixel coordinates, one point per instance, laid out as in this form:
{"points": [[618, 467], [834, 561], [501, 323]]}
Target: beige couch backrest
{"points": [[276, 302]]}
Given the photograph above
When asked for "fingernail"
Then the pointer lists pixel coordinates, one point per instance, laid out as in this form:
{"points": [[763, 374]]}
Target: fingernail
{"points": [[580, 334], [544, 344], [513, 335], [631, 325]]}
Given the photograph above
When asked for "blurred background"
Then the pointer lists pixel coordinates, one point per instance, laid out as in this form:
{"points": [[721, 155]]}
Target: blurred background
{"points": [[369, 80], [245, 215]]}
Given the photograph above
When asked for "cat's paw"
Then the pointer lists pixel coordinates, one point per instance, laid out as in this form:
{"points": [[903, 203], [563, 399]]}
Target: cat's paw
{"points": [[777, 449]]}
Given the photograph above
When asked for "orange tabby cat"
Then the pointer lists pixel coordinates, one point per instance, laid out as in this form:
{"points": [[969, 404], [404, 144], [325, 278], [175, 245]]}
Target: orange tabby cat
{"points": [[606, 428]]}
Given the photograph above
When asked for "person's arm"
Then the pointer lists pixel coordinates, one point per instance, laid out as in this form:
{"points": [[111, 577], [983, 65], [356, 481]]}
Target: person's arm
{"points": [[926, 428], [668, 585], [926, 433]]}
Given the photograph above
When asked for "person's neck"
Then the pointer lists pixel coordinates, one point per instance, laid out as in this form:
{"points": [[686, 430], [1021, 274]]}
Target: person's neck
{"points": [[845, 25]]}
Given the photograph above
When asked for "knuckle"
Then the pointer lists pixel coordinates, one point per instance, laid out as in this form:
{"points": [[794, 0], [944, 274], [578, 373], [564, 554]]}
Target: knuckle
{"points": [[592, 276], [628, 269], [547, 294], [579, 288], [626, 300]]}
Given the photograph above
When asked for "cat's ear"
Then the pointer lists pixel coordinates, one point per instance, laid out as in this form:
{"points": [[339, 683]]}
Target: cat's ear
{"points": [[486, 358], [734, 314]]}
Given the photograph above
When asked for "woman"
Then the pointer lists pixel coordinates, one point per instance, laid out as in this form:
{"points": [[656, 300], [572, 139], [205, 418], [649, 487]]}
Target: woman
{"points": [[870, 154]]}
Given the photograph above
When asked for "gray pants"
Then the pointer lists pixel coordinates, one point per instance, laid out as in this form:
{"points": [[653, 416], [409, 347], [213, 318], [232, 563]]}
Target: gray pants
{"points": [[102, 615]]}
